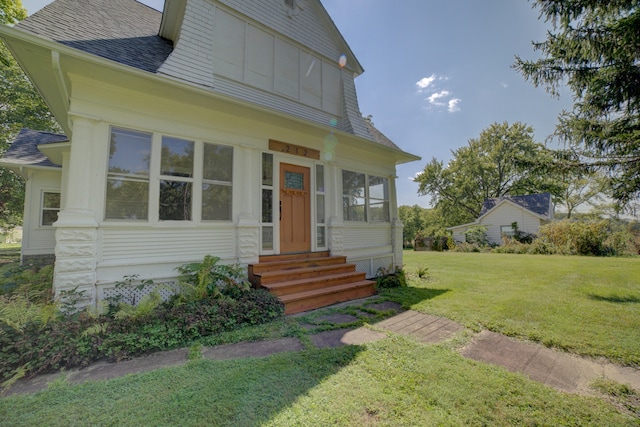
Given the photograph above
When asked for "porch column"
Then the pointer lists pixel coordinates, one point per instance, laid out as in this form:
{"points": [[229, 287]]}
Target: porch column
{"points": [[396, 224], [333, 199], [76, 227], [248, 185]]}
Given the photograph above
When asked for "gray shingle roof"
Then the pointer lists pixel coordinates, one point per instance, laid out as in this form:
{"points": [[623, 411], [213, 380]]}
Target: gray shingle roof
{"points": [[124, 31], [24, 149], [536, 203], [378, 136]]}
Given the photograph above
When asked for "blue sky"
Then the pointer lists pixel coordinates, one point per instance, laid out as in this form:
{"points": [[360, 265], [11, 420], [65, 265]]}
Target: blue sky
{"points": [[438, 72]]}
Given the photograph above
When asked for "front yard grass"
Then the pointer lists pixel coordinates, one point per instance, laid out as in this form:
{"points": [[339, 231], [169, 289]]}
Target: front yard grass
{"points": [[392, 382], [584, 305]]}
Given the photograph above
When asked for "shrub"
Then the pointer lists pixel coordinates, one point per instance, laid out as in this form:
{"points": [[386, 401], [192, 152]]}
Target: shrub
{"points": [[477, 235], [32, 342], [392, 277], [586, 237]]}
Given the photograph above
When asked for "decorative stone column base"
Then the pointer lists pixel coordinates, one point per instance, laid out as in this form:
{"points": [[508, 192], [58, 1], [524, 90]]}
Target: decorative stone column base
{"points": [[74, 278], [336, 236], [396, 241], [248, 235]]}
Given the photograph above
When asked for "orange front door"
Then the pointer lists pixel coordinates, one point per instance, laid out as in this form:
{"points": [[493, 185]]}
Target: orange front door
{"points": [[295, 209]]}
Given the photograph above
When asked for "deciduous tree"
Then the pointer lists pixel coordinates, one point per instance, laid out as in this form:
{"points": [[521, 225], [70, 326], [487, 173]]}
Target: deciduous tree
{"points": [[486, 167]]}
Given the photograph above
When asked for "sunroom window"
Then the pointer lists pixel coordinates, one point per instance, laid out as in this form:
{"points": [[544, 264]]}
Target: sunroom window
{"points": [[176, 179], [217, 177], [128, 175], [364, 197]]}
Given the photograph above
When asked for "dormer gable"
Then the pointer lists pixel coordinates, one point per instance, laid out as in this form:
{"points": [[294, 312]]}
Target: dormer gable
{"points": [[282, 54]]}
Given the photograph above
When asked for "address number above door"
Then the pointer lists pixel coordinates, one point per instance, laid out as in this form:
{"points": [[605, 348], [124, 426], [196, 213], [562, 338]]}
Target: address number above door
{"points": [[296, 150]]}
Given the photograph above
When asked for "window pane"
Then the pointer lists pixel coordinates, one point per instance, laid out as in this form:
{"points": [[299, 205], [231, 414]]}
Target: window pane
{"points": [[379, 210], [49, 217], [267, 238], [218, 163], [267, 169], [127, 199], [177, 157], [353, 184], [320, 237], [129, 152], [320, 208], [267, 206], [51, 200], [378, 188], [175, 201], [293, 180], [353, 208], [320, 178], [353, 199], [216, 202]]}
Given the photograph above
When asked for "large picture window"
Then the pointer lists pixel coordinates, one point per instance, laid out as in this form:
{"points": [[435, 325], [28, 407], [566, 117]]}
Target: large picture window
{"points": [[175, 174], [217, 177], [176, 179], [364, 197], [128, 175]]}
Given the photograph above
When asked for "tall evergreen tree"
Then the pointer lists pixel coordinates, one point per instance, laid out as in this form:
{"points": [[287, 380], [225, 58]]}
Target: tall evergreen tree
{"points": [[594, 49]]}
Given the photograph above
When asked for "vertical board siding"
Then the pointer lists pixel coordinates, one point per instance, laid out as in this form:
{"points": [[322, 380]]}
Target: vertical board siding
{"points": [[156, 245]]}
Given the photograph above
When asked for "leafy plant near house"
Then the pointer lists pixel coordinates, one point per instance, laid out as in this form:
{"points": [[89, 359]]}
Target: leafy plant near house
{"points": [[391, 277], [204, 279], [36, 338], [477, 235]]}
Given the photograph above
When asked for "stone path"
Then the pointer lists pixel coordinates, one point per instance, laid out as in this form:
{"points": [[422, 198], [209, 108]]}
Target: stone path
{"points": [[554, 368]]}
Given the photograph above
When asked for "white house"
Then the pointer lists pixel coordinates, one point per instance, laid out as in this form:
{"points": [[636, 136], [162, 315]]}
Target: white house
{"points": [[499, 214], [222, 127]]}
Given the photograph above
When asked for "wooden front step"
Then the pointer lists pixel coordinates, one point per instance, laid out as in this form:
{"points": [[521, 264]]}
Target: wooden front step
{"points": [[308, 281]]}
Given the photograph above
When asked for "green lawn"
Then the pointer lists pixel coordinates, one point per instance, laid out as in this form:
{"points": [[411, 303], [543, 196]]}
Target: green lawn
{"points": [[585, 305], [393, 382]]}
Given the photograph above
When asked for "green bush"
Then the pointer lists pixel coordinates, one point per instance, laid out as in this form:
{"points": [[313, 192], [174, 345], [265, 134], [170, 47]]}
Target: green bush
{"points": [[392, 277], [33, 341], [599, 238]]}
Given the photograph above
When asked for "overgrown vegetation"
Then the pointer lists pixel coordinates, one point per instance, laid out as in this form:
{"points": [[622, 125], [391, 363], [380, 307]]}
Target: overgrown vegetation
{"points": [[38, 335], [391, 277], [566, 237]]}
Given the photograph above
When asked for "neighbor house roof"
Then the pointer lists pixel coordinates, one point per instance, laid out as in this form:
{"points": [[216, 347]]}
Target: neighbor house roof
{"points": [[539, 204], [124, 31], [24, 149]]}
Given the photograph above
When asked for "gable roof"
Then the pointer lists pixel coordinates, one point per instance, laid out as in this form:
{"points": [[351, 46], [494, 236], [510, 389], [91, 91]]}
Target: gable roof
{"points": [[540, 204], [24, 149], [123, 31]]}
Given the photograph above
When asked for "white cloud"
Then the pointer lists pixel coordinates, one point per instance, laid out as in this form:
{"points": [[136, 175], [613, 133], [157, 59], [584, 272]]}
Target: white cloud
{"points": [[425, 82], [453, 105], [504, 85], [433, 99]]}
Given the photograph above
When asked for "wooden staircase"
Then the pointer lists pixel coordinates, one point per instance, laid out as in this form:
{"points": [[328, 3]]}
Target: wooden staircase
{"points": [[309, 280]]}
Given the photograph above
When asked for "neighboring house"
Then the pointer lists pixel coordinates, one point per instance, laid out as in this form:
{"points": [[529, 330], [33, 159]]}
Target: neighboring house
{"points": [[226, 127], [499, 215]]}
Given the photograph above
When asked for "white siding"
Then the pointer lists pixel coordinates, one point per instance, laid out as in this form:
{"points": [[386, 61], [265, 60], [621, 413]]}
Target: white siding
{"points": [[506, 214], [38, 239], [260, 54]]}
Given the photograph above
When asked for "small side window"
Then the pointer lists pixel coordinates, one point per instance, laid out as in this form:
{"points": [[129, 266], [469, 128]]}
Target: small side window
{"points": [[50, 208]]}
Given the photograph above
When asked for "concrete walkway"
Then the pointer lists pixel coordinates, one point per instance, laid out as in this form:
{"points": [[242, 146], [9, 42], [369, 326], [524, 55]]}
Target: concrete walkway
{"points": [[556, 369]]}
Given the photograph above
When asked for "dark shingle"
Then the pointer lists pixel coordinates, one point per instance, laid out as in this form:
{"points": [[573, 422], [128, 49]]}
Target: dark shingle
{"points": [[378, 136], [24, 149], [536, 203], [124, 31]]}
